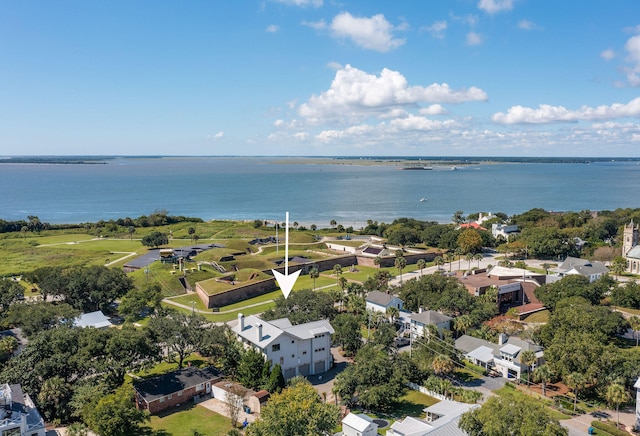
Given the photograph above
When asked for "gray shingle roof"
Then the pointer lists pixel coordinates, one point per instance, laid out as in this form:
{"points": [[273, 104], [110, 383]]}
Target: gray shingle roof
{"points": [[157, 387], [380, 298], [430, 317]]}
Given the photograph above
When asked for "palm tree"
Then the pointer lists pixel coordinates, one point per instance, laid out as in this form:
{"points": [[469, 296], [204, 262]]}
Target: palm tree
{"points": [[478, 257], [376, 261], [333, 223], [449, 257], [616, 394], [393, 313], [314, 274], [337, 270], [469, 257], [421, 264], [338, 297], [462, 323], [438, 261], [342, 282], [528, 357], [442, 364], [458, 253], [618, 265], [542, 374], [400, 263], [191, 232], [634, 322], [546, 267], [575, 381]]}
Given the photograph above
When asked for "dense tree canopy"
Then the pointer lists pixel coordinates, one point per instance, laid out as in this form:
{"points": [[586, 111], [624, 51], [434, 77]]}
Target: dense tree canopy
{"points": [[515, 415], [570, 286], [302, 306], [155, 239], [376, 380], [296, 411]]}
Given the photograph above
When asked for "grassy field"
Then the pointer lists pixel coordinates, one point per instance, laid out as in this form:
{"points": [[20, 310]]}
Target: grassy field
{"points": [[181, 421], [541, 316]]}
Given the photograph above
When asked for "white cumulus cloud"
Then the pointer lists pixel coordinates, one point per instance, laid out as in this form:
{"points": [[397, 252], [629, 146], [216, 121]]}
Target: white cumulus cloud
{"points": [[494, 6], [434, 109], [437, 29], [215, 136], [528, 25], [607, 54], [632, 47], [272, 28], [374, 33], [302, 3], [355, 95], [546, 114], [474, 38]]}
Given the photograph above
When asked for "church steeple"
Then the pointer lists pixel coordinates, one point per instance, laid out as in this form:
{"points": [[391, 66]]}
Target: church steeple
{"points": [[630, 237]]}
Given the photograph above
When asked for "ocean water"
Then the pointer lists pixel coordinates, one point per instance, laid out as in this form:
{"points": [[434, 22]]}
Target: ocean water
{"points": [[264, 188]]}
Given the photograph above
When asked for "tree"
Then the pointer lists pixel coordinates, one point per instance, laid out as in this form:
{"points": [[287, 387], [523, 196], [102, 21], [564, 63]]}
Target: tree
{"points": [[131, 230], [618, 266], [333, 223], [191, 232], [376, 261], [392, 313], [400, 263], [54, 399], [634, 322], [470, 241], [449, 257], [438, 261], [462, 323], [421, 264], [469, 257], [251, 369], [375, 378], [302, 306], [155, 239], [575, 381], [181, 334], [314, 274], [10, 292], [528, 357], [276, 382], [511, 415], [542, 374], [116, 415], [478, 257], [546, 267], [617, 394], [442, 365], [458, 217], [297, 411], [234, 403], [337, 270]]}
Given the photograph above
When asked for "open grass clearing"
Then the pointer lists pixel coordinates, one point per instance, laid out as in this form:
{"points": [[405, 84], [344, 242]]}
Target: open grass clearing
{"points": [[182, 420], [538, 317]]}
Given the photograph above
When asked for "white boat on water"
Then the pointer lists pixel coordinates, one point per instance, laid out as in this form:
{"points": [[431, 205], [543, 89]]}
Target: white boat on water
{"points": [[422, 200]]}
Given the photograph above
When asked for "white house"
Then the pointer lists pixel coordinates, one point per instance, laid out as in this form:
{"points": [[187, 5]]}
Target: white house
{"points": [[503, 357], [441, 420], [359, 425], [592, 270], [504, 230], [381, 301], [424, 318], [637, 386], [18, 415], [303, 349]]}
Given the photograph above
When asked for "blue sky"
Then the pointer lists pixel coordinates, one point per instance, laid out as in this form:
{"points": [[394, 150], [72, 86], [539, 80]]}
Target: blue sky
{"points": [[320, 77]]}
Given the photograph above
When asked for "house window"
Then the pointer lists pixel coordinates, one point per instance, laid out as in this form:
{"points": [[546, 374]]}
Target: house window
{"points": [[179, 393], [304, 352], [12, 432], [170, 396], [162, 399], [200, 387], [275, 347]]}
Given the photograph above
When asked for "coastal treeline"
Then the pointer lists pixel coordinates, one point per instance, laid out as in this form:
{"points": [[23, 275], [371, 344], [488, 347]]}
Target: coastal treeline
{"points": [[120, 225]]}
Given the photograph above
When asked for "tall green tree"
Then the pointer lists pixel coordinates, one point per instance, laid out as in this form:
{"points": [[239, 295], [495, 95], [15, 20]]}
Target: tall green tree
{"points": [[400, 263], [314, 274], [421, 264], [296, 411], [617, 394], [302, 306], [511, 415], [155, 239], [543, 374], [251, 369], [528, 357], [181, 334], [116, 415]]}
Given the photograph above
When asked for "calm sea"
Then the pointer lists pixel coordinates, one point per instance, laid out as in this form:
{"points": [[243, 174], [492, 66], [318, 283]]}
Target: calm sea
{"points": [[264, 188]]}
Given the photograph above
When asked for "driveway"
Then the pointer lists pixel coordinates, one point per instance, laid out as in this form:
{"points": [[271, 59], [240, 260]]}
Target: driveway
{"points": [[324, 382]]}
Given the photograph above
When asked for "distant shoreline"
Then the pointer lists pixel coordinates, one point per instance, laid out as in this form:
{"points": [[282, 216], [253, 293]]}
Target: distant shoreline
{"points": [[398, 161]]}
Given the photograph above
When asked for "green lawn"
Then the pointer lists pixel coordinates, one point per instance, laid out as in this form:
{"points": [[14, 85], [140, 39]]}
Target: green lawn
{"points": [[184, 419], [541, 316]]}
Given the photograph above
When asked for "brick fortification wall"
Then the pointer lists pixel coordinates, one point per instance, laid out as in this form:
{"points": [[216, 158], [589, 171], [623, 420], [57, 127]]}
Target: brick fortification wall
{"points": [[239, 293]]}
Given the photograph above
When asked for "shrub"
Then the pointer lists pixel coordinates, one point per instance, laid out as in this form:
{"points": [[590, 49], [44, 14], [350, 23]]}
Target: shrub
{"points": [[609, 428]]}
